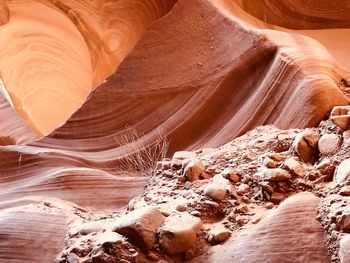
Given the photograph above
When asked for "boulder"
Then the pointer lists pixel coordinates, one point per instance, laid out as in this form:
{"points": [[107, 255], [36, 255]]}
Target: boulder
{"points": [[141, 225], [329, 144], [294, 166], [216, 192], [343, 171], [340, 116], [272, 175], [305, 145], [179, 232], [194, 169]]}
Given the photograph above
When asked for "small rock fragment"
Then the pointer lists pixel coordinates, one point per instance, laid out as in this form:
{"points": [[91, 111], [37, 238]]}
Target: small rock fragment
{"points": [[269, 163], [243, 189], [272, 175], [326, 167]]}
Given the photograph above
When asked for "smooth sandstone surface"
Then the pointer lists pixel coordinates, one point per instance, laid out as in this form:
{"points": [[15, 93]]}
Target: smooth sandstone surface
{"points": [[291, 232], [77, 74]]}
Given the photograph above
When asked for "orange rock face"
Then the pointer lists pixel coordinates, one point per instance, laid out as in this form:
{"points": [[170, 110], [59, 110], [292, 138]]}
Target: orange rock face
{"points": [[77, 75]]}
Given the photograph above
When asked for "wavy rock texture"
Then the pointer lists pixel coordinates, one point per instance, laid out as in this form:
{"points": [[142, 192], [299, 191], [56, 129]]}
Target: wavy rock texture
{"points": [[202, 71], [289, 234]]}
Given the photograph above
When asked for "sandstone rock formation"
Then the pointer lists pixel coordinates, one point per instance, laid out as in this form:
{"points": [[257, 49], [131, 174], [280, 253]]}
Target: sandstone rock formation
{"points": [[77, 75]]}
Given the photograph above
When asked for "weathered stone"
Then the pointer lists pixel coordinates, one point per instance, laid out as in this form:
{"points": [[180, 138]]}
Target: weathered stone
{"points": [[216, 192], [344, 249], [277, 197], [344, 222], [269, 163], [305, 145], [179, 232], [243, 189], [345, 191], [272, 175], [176, 163], [267, 187], [326, 167], [194, 169], [231, 175], [294, 166], [340, 116], [217, 236], [182, 155], [141, 225], [329, 144], [343, 171]]}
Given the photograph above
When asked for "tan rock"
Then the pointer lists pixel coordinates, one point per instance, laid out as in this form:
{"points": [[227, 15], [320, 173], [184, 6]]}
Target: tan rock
{"points": [[216, 192], [269, 163], [329, 144], [141, 225], [277, 197], [218, 235], [305, 145], [194, 169], [294, 166], [326, 167], [243, 189], [343, 171], [182, 155], [179, 232], [272, 175], [340, 116]]}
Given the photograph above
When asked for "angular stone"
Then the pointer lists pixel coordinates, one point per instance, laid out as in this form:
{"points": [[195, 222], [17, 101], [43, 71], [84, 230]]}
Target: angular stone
{"points": [[194, 169], [272, 175], [305, 145], [329, 144], [141, 225], [179, 232], [294, 166]]}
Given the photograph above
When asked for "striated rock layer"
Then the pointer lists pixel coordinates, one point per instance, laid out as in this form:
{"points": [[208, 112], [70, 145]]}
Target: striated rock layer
{"points": [[200, 71]]}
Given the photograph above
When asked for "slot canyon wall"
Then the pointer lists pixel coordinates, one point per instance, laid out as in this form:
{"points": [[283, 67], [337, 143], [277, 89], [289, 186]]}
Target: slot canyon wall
{"points": [[76, 75]]}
